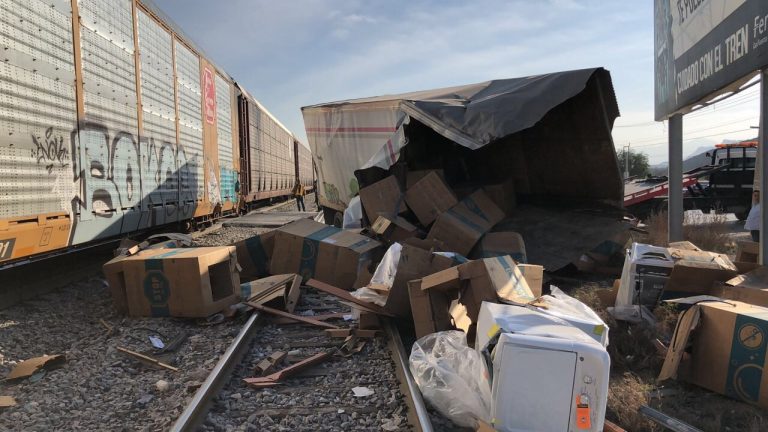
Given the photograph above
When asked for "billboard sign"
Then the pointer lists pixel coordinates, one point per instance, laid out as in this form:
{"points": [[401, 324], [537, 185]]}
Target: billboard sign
{"points": [[703, 46]]}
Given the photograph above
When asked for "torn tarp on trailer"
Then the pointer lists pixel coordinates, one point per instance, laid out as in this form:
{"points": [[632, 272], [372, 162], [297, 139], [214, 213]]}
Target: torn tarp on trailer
{"points": [[370, 130]]}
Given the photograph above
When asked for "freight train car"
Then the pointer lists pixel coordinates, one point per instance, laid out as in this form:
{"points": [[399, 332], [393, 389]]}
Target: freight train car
{"points": [[112, 122]]}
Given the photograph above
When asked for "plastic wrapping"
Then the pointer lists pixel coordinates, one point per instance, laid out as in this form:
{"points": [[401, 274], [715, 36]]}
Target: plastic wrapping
{"points": [[383, 277], [353, 214], [452, 377], [578, 314]]}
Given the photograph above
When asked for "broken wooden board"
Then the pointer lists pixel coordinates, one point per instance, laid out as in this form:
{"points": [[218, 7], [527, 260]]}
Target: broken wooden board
{"points": [[285, 286], [7, 402], [267, 365], [28, 367], [324, 317], [346, 295], [303, 319], [275, 378]]}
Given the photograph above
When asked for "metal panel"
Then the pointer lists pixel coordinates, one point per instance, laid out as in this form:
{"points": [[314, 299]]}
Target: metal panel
{"points": [[110, 134], [159, 114], [38, 108], [190, 118], [224, 134]]}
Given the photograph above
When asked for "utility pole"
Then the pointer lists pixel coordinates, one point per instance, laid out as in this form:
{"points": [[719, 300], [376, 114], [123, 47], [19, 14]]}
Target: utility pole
{"points": [[626, 161]]}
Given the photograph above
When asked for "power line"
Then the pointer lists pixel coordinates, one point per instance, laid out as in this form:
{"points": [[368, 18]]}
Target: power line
{"points": [[695, 131], [693, 138]]}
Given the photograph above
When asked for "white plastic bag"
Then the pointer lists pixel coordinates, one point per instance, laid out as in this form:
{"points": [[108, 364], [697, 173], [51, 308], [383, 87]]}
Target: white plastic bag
{"points": [[452, 377], [383, 277], [578, 314]]}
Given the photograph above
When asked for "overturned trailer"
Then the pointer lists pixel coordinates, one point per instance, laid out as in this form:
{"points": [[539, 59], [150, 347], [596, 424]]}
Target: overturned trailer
{"points": [[548, 134]]}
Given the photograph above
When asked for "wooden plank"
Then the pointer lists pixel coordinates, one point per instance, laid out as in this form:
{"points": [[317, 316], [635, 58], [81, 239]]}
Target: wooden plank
{"points": [[609, 426], [324, 317], [303, 319], [345, 295], [147, 359]]}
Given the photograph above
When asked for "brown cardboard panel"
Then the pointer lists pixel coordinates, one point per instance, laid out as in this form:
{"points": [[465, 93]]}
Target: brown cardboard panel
{"points": [[503, 243], [29, 367], [114, 273], [414, 263], [297, 246], [693, 277], [262, 291], [503, 194], [686, 323], [191, 282], [429, 197], [384, 196], [750, 287], [747, 251], [343, 257], [430, 309], [414, 176], [462, 226], [254, 254], [445, 280], [534, 276]]}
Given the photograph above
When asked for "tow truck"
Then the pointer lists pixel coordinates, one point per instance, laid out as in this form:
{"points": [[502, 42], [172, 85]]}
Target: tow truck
{"points": [[725, 185]]}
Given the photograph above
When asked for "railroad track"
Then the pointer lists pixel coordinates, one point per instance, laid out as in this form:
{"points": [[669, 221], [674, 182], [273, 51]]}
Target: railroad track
{"points": [[317, 398]]}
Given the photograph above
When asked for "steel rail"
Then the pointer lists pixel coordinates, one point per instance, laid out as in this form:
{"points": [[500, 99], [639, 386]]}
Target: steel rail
{"points": [[194, 414], [401, 363]]}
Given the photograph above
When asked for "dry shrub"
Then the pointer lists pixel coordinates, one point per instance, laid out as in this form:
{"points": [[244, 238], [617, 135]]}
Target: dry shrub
{"points": [[712, 236], [626, 394]]}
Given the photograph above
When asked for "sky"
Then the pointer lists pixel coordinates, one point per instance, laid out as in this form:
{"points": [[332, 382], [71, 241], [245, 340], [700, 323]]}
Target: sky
{"points": [[290, 54]]}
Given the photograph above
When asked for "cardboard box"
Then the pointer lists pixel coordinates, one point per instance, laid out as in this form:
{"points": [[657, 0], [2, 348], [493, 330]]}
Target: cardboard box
{"points": [[465, 223], [415, 263], [503, 195], [328, 254], [430, 308], [729, 350], [495, 244], [490, 279], [115, 274], [384, 196], [254, 254], [191, 282], [749, 288], [534, 276], [393, 229], [690, 278], [747, 251], [429, 197]]}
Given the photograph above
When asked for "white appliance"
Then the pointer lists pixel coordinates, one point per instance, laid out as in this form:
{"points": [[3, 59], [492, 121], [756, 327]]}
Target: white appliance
{"points": [[547, 374], [645, 274]]}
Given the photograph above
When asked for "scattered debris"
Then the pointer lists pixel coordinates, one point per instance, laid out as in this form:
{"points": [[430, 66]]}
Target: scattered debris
{"points": [[362, 391], [325, 317], [300, 318], [267, 365], [347, 332], [106, 326], [345, 295], [7, 402], [156, 342], [30, 367], [146, 359], [262, 291], [352, 345], [275, 378]]}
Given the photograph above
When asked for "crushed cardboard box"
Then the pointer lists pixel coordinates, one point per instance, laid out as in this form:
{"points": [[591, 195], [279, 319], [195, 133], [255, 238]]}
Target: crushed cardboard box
{"points": [[534, 276], [314, 250], [454, 295], [728, 356], [464, 224], [429, 197], [747, 251], [696, 272], [191, 282], [413, 176], [503, 194], [382, 197]]}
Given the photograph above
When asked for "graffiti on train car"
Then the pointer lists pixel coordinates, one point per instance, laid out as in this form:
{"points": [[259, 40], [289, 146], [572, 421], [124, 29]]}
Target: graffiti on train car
{"points": [[116, 178], [228, 179], [50, 150]]}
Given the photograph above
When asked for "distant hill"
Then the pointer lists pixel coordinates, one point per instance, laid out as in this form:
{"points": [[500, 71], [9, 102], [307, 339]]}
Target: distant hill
{"points": [[696, 159]]}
